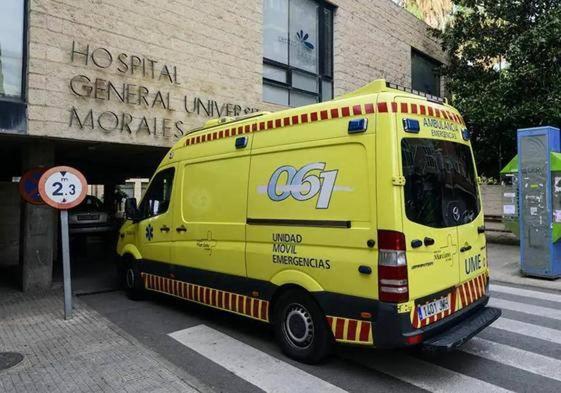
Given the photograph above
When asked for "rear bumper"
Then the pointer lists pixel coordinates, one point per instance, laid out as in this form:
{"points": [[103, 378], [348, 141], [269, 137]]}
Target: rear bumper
{"points": [[460, 333], [76, 229], [394, 330]]}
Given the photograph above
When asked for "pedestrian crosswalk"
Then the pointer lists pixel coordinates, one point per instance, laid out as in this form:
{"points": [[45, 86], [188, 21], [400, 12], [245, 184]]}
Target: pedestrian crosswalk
{"points": [[515, 357], [256, 367], [511, 350], [528, 329], [425, 375], [527, 308], [554, 297]]}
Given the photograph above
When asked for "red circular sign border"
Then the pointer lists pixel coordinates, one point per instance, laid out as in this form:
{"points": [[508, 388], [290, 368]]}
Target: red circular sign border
{"points": [[24, 195], [62, 206]]}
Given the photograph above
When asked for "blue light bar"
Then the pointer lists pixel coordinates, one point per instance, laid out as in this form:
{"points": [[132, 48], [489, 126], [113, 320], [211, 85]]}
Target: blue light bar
{"points": [[411, 125], [241, 142], [358, 125], [429, 97], [466, 134]]}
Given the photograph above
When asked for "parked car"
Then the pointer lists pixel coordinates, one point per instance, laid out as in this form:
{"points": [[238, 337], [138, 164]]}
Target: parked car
{"points": [[90, 217]]}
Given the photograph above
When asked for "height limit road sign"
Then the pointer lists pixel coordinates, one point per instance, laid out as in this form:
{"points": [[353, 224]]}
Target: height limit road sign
{"points": [[63, 188]]}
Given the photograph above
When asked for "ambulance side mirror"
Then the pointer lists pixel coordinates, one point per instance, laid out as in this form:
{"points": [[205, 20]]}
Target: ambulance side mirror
{"points": [[131, 210]]}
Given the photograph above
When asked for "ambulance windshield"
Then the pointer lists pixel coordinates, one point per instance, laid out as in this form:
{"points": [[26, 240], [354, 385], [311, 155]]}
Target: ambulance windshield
{"points": [[440, 182]]}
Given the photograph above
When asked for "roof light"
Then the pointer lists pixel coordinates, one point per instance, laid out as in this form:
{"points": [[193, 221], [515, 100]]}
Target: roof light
{"points": [[466, 134], [241, 142], [429, 97], [411, 125], [358, 125]]}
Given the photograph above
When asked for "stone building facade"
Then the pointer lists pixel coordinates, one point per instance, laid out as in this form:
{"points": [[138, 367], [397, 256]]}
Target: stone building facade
{"points": [[149, 71], [108, 85]]}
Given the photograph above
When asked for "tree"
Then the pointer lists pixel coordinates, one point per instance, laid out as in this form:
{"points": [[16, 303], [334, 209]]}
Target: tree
{"points": [[504, 71]]}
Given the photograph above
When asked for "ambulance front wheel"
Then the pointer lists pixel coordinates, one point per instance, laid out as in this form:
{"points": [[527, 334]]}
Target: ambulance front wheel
{"points": [[132, 281], [301, 328]]}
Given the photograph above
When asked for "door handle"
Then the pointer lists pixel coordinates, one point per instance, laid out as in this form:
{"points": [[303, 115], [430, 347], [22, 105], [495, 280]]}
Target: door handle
{"points": [[465, 248], [164, 228], [181, 228]]}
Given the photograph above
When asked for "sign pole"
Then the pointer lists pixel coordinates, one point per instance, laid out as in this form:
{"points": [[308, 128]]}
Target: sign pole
{"points": [[63, 188], [66, 264]]}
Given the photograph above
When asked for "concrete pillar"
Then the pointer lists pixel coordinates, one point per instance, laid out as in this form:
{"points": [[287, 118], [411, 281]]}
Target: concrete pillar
{"points": [[109, 197], [38, 227], [138, 189], [10, 205]]}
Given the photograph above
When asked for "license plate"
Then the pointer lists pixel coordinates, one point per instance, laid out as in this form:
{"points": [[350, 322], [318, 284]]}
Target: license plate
{"points": [[88, 217], [432, 308]]}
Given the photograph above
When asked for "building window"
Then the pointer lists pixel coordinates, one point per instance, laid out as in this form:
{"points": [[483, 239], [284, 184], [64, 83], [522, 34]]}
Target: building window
{"points": [[425, 73], [297, 52], [12, 14]]}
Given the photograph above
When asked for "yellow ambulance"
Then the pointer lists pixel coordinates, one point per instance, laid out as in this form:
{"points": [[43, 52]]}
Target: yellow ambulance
{"points": [[356, 220]]}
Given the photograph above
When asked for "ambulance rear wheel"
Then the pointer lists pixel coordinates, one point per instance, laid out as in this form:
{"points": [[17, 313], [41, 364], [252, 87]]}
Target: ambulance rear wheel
{"points": [[133, 281], [301, 328]]}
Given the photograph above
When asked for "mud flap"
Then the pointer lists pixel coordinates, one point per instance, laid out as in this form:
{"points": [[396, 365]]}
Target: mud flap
{"points": [[462, 332]]}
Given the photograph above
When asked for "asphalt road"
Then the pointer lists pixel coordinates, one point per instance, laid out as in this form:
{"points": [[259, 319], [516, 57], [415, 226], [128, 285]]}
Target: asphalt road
{"points": [[521, 352]]}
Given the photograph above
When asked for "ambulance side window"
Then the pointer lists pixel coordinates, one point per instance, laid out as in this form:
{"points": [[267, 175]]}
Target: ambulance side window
{"points": [[157, 197]]}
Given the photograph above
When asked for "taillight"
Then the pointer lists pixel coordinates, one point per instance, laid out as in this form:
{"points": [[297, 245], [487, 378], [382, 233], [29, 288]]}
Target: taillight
{"points": [[392, 267]]}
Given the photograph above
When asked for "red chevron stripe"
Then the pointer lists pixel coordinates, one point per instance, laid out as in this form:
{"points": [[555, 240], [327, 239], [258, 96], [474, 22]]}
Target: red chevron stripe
{"points": [[240, 304], [462, 296], [474, 292], [339, 328], [467, 291], [416, 318], [365, 328], [226, 301], [453, 301], [351, 329], [483, 286]]}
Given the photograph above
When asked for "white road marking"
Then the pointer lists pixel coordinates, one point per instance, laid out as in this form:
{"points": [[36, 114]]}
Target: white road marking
{"points": [[526, 292], [515, 357], [526, 308], [528, 329], [423, 374], [256, 367]]}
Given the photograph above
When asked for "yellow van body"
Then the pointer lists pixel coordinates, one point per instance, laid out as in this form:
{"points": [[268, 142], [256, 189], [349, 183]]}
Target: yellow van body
{"points": [[320, 198]]}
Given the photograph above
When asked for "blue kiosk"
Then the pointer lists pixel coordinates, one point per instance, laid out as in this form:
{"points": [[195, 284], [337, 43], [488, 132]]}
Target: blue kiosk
{"points": [[538, 182]]}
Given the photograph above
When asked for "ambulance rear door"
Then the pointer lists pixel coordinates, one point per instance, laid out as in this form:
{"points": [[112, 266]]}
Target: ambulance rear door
{"points": [[429, 165]]}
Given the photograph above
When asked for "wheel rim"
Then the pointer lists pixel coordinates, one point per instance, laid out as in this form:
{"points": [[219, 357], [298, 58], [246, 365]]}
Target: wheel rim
{"points": [[298, 326], [130, 278]]}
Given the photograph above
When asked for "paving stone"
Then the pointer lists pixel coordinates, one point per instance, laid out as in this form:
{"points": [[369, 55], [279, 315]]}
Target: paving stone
{"points": [[85, 354]]}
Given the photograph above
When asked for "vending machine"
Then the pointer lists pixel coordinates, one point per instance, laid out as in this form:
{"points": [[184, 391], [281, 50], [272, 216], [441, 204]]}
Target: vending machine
{"points": [[539, 201], [509, 188]]}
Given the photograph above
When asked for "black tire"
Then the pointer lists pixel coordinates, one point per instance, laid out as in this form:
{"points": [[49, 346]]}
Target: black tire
{"points": [[132, 281], [301, 327]]}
